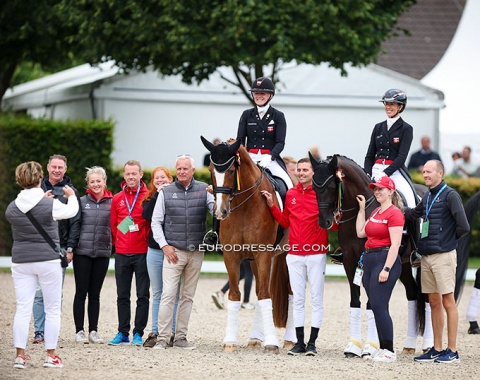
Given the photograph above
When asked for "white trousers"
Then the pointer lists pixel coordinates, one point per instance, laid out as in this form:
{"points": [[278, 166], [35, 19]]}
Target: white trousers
{"points": [[274, 168], [299, 269], [400, 183], [47, 274]]}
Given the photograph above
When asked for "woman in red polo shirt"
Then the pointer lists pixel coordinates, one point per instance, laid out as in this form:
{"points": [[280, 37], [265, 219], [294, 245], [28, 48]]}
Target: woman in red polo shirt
{"points": [[381, 262], [390, 144]]}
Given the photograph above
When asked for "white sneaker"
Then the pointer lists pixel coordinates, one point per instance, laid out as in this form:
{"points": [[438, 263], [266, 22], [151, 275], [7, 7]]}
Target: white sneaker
{"points": [[94, 338], [217, 298], [248, 305], [385, 356], [80, 337]]}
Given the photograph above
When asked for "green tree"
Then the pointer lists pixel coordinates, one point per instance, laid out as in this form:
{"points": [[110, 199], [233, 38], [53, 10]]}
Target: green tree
{"points": [[194, 38]]}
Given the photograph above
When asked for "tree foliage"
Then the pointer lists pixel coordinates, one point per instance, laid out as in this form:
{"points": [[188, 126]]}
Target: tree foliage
{"points": [[194, 38]]}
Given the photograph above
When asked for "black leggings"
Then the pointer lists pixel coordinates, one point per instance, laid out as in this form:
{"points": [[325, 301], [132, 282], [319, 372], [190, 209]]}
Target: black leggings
{"points": [[379, 293], [89, 275], [247, 274]]}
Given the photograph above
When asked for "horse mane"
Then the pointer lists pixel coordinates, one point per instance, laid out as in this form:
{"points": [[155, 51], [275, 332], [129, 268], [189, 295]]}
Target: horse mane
{"points": [[344, 162]]}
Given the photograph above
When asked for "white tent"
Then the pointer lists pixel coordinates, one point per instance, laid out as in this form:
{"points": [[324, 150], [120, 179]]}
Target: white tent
{"points": [[160, 118]]}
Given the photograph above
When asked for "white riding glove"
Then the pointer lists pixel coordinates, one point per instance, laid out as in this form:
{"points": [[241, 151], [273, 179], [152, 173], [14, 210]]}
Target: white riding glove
{"points": [[265, 161], [378, 176]]}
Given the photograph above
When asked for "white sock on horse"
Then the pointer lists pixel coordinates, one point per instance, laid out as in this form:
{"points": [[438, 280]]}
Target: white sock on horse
{"points": [[270, 333], [257, 328], [356, 323], [412, 325], [231, 333], [372, 335], [290, 334], [428, 333], [473, 305]]}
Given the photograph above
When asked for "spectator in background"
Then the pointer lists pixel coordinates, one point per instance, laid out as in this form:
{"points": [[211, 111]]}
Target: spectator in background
{"points": [[161, 178], [92, 255], [291, 164], [464, 167], [206, 158], [418, 159], [33, 259], [130, 236], [68, 229]]}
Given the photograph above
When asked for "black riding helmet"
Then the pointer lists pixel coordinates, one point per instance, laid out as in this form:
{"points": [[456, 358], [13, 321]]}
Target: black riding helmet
{"points": [[263, 84], [395, 96]]}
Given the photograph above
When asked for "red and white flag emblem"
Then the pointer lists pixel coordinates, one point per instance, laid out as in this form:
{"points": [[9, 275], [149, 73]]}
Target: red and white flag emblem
{"points": [[396, 140], [270, 129]]}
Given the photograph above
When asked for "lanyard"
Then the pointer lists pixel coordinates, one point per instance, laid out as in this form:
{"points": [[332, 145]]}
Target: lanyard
{"points": [[130, 208], [427, 211]]}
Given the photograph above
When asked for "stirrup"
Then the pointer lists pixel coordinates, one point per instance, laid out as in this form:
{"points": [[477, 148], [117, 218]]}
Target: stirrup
{"points": [[210, 238], [337, 256], [415, 259]]}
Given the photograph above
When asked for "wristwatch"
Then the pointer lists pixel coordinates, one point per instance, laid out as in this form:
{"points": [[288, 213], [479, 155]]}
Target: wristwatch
{"points": [[69, 250], [386, 269]]}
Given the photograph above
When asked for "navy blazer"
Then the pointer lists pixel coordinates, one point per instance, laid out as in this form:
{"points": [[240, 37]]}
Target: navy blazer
{"points": [[267, 133], [389, 145]]}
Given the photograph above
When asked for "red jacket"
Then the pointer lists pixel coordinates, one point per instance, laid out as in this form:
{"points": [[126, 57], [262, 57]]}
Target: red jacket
{"points": [[301, 215], [131, 242]]}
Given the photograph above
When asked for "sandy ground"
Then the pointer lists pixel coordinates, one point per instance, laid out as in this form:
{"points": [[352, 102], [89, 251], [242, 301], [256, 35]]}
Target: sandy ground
{"points": [[207, 326]]}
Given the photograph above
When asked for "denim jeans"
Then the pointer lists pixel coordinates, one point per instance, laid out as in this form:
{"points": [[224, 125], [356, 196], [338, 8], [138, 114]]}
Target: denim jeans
{"points": [[155, 259], [39, 309]]}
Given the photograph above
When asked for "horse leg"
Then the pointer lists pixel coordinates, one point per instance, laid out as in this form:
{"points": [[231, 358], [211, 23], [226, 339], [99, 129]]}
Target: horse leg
{"points": [[290, 337], [411, 291], [354, 345], [371, 345], [256, 334], [231, 333]]}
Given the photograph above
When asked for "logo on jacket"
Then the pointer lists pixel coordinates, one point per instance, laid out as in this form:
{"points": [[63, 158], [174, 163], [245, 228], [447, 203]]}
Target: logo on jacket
{"points": [[294, 201], [122, 203], [174, 195], [396, 140], [87, 206], [270, 128]]}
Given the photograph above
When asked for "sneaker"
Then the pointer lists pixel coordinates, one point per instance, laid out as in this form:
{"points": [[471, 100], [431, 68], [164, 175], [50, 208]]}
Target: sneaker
{"points": [[385, 356], [448, 357], [474, 330], [21, 361], [38, 337], [248, 306], [151, 340], [161, 345], [119, 339], [218, 300], [94, 338], [137, 340], [183, 343], [429, 356], [311, 350], [80, 337], [299, 348], [55, 362]]}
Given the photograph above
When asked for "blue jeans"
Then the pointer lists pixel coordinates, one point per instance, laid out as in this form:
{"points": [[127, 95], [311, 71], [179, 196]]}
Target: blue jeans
{"points": [[38, 307], [155, 259]]}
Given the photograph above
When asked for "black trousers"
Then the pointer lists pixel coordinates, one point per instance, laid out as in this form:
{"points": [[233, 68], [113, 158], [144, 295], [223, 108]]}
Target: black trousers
{"points": [[89, 275], [125, 267]]}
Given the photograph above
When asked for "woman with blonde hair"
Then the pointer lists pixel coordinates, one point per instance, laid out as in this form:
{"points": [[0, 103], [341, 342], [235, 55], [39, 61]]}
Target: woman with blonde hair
{"points": [[34, 261]]}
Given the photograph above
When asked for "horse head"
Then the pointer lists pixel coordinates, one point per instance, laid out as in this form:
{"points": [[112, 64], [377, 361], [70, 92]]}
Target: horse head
{"points": [[223, 165], [325, 186]]}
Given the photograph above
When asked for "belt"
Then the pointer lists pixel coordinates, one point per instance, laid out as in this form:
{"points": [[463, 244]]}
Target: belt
{"points": [[384, 161], [379, 249], [256, 151]]}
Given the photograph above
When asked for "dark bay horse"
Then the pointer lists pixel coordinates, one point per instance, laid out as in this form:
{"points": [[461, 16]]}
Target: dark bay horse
{"points": [[337, 181], [248, 230]]}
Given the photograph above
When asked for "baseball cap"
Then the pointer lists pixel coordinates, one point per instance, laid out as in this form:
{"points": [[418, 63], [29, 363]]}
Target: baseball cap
{"points": [[383, 182]]}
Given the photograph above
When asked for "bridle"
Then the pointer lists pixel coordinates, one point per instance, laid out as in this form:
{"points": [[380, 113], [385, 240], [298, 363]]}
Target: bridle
{"points": [[235, 189], [337, 203]]}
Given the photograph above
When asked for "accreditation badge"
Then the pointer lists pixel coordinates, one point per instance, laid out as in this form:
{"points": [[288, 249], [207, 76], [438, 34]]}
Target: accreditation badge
{"points": [[425, 224]]}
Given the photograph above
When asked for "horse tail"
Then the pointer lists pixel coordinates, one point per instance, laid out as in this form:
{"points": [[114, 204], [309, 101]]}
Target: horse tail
{"points": [[279, 290], [463, 248], [421, 301]]}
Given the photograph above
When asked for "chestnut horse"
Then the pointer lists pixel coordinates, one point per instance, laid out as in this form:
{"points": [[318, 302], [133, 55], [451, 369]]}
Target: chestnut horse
{"points": [[337, 181], [248, 230]]}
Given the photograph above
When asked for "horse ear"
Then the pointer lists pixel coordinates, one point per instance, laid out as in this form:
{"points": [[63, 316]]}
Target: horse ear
{"points": [[232, 149], [207, 144], [313, 160], [332, 165]]}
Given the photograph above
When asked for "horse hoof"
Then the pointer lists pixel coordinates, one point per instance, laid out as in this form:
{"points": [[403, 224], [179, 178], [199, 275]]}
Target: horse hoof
{"points": [[271, 349], [288, 344], [254, 344], [350, 355], [229, 347], [408, 351]]}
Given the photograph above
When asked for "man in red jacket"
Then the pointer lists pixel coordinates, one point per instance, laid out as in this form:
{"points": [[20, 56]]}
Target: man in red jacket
{"points": [[130, 237], [307, 255]]}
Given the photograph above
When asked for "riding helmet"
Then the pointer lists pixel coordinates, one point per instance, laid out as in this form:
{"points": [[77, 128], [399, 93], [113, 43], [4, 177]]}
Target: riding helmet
{"points": [[395, 96], [263, 84]]}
